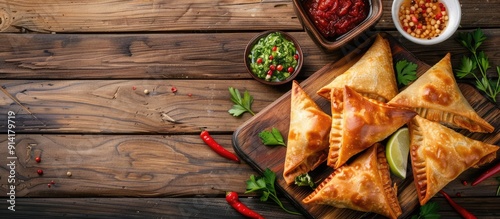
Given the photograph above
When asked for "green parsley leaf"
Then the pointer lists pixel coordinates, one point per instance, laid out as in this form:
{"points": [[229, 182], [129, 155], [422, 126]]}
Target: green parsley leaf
{"points": [[406, 72], [468, 66], [478, 64], [478, 37], [428, 211], [242, 104], [265, 185], [272, 137]]}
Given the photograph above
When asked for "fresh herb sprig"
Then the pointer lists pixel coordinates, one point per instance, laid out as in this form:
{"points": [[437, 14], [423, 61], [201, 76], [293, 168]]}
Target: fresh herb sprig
{"points": [[305, 180], [242, 103], [265, 185], [272, 138], [428, 211], [478, 64], [406, 72]]}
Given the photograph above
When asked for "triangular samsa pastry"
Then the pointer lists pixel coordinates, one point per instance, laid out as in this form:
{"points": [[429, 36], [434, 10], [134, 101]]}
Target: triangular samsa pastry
{"points": [[439, 155], [363, 185], [307, 145], [361, 123], [372, 75], [435, 96]]}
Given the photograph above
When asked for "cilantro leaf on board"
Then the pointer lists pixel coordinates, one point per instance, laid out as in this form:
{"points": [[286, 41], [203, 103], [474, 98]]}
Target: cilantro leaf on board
{"points": [[406, 72], [242, 104], [272, 137]]}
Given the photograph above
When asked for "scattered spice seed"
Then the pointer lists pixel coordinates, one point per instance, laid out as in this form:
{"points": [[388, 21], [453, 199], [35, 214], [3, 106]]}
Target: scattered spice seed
{"points": [[174, 89], [146, 91], [134, 88], [464, 182], [190, 95], [68, 174], [38, 159], [52, 182], [40, 172], [49, 185]]}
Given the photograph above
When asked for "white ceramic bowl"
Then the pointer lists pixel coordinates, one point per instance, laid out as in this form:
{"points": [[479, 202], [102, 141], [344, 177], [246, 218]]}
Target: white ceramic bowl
{"points": [[453, 10]]}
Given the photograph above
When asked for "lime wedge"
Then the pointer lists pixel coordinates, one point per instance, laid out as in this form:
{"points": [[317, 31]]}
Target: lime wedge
{"points": [[397, 150]]}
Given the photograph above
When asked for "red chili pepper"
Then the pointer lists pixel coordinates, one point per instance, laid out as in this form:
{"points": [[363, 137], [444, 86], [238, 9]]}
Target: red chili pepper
{"points": [[205, 136], [490, 172], [233, 200], [462, 211]]}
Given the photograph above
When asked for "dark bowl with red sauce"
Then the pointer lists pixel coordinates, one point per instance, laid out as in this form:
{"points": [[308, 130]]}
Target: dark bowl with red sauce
{"points": [[333, 23]]}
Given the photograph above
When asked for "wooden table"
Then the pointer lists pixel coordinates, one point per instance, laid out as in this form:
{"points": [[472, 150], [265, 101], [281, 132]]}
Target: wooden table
{"points": [[75, 74]]}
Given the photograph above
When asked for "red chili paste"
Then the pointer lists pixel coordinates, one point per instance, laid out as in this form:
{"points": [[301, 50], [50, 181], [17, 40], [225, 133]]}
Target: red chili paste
{"points": [[336, 17]]}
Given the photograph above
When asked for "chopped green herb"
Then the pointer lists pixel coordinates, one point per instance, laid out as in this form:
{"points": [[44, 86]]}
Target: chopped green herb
{"points": [[265, 185], [272, 137], [242, 104], [428, 211], [406, 72], [477, 61], [305, 180]]}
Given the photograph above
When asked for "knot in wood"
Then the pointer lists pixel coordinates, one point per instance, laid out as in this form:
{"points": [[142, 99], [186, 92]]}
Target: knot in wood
{"points": [[5, 19]]}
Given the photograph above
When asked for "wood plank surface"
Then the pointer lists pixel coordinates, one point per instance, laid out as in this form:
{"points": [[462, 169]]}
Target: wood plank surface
{"points": [[198, 207], [113, 106], [173, 56], [150, 16], [122, 166], [201, 207], [174, 16]]}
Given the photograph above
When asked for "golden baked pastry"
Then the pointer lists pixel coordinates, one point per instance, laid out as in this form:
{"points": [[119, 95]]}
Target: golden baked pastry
{"points": [[439, 155], [373, 75], [363, 185], [359, 122], [435, 96], [307, 144]]}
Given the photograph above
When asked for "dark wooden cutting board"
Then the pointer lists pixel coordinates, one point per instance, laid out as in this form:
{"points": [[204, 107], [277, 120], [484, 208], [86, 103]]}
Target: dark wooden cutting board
{"points": [[249, 147]]}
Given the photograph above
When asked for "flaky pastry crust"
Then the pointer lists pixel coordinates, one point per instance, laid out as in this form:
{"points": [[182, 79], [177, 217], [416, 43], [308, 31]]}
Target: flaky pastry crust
{"points": [[307, 145]]}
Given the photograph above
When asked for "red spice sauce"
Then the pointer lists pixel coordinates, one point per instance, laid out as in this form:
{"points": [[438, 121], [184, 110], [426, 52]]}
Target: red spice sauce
{"points": [[334, 18]]}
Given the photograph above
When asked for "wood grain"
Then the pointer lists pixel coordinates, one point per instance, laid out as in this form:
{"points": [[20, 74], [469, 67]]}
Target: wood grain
{"points": [[201, 207], [113, 106], [265, 157], [174, 16], [122, 166], [150, 16], [173, 56], [208, 207]]}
